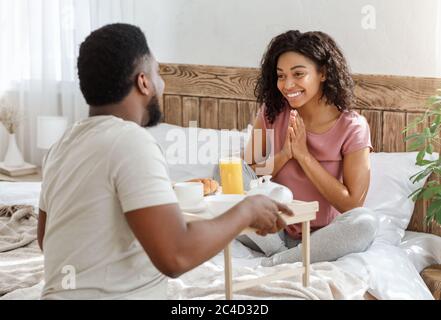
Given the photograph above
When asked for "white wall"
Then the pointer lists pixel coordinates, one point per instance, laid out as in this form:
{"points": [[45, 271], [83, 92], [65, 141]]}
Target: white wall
{"points": [[406, 40]]}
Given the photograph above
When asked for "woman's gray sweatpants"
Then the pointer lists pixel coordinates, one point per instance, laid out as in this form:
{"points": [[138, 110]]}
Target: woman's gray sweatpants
{"points": [[350, 232]]}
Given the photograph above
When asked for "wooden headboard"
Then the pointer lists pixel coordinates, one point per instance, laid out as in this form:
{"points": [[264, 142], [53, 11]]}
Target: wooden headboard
{"points": [[223, 98]]}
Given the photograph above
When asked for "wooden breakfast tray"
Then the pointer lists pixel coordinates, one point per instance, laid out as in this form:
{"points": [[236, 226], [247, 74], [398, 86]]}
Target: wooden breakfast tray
{"points": [[302, 211]]}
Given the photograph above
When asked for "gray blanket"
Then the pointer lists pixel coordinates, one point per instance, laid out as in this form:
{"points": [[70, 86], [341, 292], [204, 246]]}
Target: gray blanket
{"points": [[21, 261]]}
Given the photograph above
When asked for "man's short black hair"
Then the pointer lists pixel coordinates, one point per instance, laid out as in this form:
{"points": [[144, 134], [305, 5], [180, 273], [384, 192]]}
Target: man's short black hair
{"points": [[107, 63]]}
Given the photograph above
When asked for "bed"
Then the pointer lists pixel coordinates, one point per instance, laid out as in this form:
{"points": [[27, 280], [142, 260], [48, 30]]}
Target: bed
{"points": [[215, 98]]}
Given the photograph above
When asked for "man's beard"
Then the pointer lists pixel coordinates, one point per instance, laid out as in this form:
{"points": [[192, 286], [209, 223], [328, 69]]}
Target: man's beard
{"points": [[154, 112]]}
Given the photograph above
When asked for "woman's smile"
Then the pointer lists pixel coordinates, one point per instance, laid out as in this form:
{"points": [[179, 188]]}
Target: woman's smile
{"points": [[295, 95]]}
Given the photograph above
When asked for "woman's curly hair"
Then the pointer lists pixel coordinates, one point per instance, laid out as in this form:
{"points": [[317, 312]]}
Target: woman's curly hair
{"points": [[338, 89]]}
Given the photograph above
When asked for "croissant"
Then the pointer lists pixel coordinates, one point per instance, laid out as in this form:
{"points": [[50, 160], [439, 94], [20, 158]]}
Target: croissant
{"points": [[210, 185]]}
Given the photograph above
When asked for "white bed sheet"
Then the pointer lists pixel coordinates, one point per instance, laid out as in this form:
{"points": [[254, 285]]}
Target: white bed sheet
{"points": [[391, 272]]}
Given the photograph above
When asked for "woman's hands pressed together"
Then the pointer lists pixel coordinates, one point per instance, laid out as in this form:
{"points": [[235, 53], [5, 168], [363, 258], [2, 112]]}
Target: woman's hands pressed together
{"points": [[287, 149], [297, 136]]}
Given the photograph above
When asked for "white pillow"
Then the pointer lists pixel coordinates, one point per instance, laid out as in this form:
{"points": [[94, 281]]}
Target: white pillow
{"points": [[423, 249], [390, 186], [195, 152]]}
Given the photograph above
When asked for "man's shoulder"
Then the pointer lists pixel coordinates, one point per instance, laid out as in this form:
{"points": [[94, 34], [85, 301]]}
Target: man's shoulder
{"points": [[134, 142], [131, 133]]}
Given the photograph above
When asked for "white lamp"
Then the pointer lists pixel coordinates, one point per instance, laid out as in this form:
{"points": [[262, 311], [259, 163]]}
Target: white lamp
{"points": [[49, 131]]}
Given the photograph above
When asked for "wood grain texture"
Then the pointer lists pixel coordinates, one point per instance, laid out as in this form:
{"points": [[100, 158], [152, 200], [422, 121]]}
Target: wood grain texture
{"points": [[247, 112], [394, 93], [190, 111], [432, 278], [393, 125], [173, 110], [375, 120], [161, 104], [209, 81], [209, 113], [411, 117], [434, 228], [373, 92], [417, 221], [228, 114]]}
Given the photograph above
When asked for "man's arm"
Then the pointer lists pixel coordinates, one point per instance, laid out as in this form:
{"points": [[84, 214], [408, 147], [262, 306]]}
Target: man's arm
{"points": [[176, 247], [41, 228]]}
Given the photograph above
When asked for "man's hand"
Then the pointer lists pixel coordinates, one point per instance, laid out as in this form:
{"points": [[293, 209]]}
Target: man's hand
{"points": [[264, 214]]}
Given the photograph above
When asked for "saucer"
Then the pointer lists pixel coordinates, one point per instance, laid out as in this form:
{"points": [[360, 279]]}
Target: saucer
{"points": [[202, 206]]}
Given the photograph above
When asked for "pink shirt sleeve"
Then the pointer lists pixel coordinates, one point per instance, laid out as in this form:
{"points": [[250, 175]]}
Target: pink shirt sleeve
{"points": [[358, 136]]}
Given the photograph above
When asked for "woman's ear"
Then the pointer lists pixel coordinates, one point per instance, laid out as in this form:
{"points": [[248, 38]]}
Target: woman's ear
{"points": [[323, 76], [143, 84]]}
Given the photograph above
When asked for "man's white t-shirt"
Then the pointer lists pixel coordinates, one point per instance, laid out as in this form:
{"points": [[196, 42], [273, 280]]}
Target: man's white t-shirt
{"points": [[102, 168]]}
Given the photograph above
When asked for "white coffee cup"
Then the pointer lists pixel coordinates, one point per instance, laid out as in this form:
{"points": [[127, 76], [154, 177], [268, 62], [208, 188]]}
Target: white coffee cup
{"points": [[189, 194]]}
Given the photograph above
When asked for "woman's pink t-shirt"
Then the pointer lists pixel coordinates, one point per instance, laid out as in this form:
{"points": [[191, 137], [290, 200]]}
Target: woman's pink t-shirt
{"points": [[350, 133]]}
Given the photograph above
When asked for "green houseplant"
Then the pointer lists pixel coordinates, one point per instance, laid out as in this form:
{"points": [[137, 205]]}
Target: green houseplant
{"points": [[427, 141]]}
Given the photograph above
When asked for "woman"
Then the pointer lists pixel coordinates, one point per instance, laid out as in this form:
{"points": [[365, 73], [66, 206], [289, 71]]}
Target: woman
{"points": [[320, 148]]}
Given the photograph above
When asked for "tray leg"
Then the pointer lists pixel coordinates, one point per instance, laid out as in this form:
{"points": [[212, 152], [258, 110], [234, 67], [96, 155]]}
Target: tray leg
{"points": [[228, 273], [305, 251]]}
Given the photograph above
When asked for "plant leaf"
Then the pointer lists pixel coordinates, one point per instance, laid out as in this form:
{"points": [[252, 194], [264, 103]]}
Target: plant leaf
{"points": [[429, 149], [421, 175], [427, 133], [427, 162], [434, 211], [414, 195], [420, 156], [429, 192]]}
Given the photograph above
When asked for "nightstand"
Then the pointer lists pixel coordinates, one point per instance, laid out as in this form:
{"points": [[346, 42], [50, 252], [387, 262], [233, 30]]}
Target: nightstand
{"points": [[28, 178]]}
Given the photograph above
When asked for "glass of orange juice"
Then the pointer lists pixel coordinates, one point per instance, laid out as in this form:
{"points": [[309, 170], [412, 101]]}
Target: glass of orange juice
{"points": [[231, 175]]}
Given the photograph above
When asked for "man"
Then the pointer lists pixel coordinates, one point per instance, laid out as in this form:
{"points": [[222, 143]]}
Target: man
{"points": [[109, 224]]}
